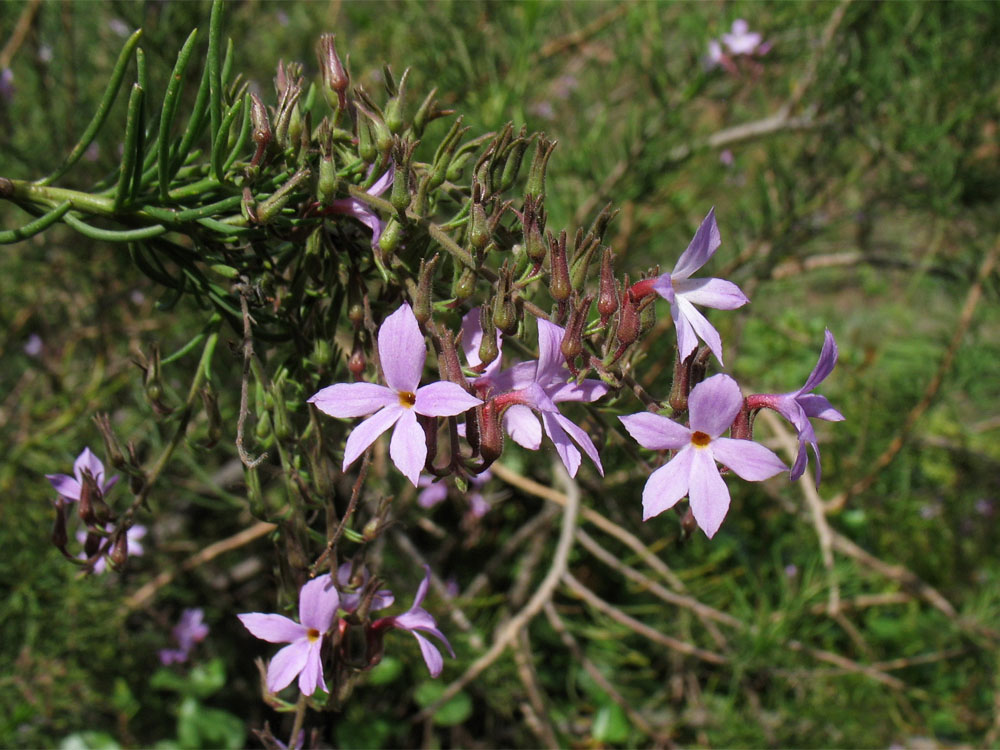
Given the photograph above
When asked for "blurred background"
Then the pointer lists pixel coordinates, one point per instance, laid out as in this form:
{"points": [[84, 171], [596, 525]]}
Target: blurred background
{"points": [[854, 165]]}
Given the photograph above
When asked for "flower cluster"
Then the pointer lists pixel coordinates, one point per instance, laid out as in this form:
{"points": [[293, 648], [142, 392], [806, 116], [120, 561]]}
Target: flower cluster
{"points": [[319, 624]]}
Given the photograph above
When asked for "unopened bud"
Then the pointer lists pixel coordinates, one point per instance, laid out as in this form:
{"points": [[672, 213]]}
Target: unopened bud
{"points": [[261, 124], [490, 433], [465, 284], [572, 343], [326, 184], [119, 550], [533, 224], [114, 450], [255, 494], [647, 316], [59, 536], [536, 174], [400, 195], [366, 142], [92, 543], [628, 319], [479, 233], [488, 350], [85, 505], [601, 222], [356, 364], [336, 79], [422, 304], [559, 285], [370, 530], [607, 297], [515, 155]]}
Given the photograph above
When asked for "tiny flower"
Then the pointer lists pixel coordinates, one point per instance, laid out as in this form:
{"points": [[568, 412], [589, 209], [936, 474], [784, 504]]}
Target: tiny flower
{"points": [[187, 632], [34, 345], [133, 538], [69, 488], [742, 41], [415, 619], [318, 602], [7, 88], [540, 386], [683, 292], [119, 27], [798, 406], [361, 210], [402, 351], [713, 405], [436, 490]]}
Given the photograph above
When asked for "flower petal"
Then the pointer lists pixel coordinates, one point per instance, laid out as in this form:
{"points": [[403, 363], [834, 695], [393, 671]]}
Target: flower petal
{"points": [[318, 602], [567, 452], [550, 357], [368, 431], [402, 350], [432, 657], [66, 486], [705, 330], [664, 287], [704, 243], [707, 492], [87, 460], [286, 664], [353, 399], [716, 293], [655, 432], [432, 494], [687, 339], [750, 460], [667, 485], [581, 438], [587, 391], [408, 446], [272, 628], [311, 676], [714, 404], [818, 406], [443, 399], [383, 183], [523, 427], [824, 365]]}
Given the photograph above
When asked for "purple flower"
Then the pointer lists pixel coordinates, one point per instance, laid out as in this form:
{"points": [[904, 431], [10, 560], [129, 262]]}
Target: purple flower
{"points": [[7, 85], [402, 351], [34, 345], [361, 210], [713, 405], [415, 619], [683, 293], [351, 591], [133, 538], [436, 490], [742, 41], [540, 386], [798, 406], [69, 488], [318, 602], [187, 632]]}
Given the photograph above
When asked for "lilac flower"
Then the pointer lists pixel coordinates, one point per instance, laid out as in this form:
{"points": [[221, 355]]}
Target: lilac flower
{"points": [[69, 488], [318, 602], [361, 210], [34, 345], [434, 491], [713, 405], [187, 632], [742, 41], [415, 619], [683, 293], [351, 591], [402, 351], [7, 88], [133, 538], [540, 386], [798, 406]]}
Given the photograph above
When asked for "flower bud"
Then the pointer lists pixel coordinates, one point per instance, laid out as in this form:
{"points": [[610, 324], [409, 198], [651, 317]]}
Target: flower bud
{"points": [[647, 316], [85, 505], [444, 154], [583, 253], [490, 433], [601, 222], [114, 450], [479, 233], [688, 523], [559, 286], [514, 158], [536, 174], [394, 109], [572, 343], [326, 185], [391, 236], [356, 364], [119, 550], [488, 350], [533, 224], [607, 297], [255, 494], [422, 304], [400, 195], [628, 319], [336, 80], [465, 284], [504, 310], [366, 142], [92, 543], [261, 124], [427, 113]]}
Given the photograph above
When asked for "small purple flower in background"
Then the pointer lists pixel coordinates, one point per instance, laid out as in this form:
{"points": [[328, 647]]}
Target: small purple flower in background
{"points": [[402, 351], [69, 488], [7, 85], [361, 210], [93, 153], [45, 53], [187, 632], [683, 292], [713, 405], [541, 385], [133, 538], [434, 491], [742, 41], [119, 27], [34, 345], [350, 592], [798, 406], [318, 602], [418, 620], [791, 570], [726, 158]]}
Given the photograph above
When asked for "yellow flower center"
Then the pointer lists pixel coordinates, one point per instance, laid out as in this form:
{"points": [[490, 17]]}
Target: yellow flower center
{"points": [[312, 634], [700, 439], [407, 399]]}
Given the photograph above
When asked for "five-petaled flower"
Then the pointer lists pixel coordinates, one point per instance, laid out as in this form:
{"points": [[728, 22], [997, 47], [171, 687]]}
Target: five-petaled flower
{"points": [[69, 488], [798, 406], [713, 405], [402, 351], [318, 603], [683, 292], [188, 631], [418, 620], [541, 385]]}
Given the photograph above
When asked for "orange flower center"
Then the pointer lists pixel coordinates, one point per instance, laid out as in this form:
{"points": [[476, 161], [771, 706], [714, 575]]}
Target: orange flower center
{"points": [[407, 399], [312, 634], [700, 439]]}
